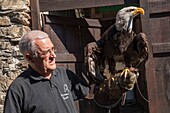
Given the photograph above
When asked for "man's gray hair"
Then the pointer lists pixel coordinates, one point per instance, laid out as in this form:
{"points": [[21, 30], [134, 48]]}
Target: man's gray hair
{"points": [[26, 44]]}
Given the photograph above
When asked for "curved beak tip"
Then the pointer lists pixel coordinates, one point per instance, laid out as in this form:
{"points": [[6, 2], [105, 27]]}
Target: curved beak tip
{"points": [[140, 11]]}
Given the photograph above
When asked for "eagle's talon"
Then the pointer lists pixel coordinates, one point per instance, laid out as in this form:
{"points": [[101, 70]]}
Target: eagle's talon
{"points": [[125, 72]]}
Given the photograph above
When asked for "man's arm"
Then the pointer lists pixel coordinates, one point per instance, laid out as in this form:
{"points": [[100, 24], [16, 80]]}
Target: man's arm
{"points": [[80, 88], [12, 102]]}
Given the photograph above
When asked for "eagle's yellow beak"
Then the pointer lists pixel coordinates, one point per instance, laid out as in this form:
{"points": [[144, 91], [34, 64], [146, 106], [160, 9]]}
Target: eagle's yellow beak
{"points": [[138, 11]]}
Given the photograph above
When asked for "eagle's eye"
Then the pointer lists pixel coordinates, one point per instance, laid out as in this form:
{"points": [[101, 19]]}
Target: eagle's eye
{"points": [[130, 10]]}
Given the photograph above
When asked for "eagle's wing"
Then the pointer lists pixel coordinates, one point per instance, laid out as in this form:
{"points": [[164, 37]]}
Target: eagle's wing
{"points": [[93, 61], [99, 61], [135, 57], [137, 52]]}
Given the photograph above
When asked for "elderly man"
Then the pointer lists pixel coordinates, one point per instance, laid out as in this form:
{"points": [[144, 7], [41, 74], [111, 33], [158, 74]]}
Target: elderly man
{"points": [[43, 88]]}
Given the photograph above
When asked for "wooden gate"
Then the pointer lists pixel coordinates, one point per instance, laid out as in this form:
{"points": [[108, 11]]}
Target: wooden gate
{"points": [[71, 35], [156, 24]]}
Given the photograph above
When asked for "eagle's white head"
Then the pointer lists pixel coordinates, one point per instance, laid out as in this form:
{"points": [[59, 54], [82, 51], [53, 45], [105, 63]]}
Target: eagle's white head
{"points": [[124, 18]]}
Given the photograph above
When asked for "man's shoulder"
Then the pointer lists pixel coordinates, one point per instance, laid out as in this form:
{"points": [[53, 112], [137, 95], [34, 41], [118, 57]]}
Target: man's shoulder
{"points": [[19, 81], [23, 76], [63, 71], [59, 70]]}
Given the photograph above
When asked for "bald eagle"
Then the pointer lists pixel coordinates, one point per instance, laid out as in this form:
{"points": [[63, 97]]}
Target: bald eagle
{"points": [[114, 60]]}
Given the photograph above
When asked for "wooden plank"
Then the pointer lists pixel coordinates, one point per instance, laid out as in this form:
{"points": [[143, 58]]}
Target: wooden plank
{"points": [[35, 14], [51, 19], [155, 25], [56, 5], [162, 73], [159, 29], [150, 72], [157, 6], [161, 47]]}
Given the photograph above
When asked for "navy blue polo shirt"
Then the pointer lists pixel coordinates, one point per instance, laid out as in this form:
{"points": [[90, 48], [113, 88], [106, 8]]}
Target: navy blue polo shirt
{"points": [[32, 93]]}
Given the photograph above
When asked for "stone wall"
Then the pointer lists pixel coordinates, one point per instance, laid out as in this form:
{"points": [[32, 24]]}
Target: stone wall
{"points": [[14, 22]]}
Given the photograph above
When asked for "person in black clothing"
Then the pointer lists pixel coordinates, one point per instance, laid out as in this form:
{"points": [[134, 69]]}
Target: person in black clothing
{"points": [[43, 87]]}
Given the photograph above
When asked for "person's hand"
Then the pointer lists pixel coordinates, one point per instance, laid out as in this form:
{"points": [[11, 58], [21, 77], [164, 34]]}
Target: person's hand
{"points": [[128, 79], [90, 95]]}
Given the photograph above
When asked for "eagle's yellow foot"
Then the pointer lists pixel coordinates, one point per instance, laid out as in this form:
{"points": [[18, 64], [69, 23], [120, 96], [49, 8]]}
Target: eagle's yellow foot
{"points": [[125, 72]]}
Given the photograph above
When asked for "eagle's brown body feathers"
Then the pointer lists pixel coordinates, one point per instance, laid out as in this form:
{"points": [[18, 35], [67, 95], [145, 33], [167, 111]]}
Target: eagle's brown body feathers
{"points": [[104, 53], [118, 54], [118, 44]]}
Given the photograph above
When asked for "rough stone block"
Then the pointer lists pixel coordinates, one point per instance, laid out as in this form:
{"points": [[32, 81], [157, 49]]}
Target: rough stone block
{"points": [[5, 22]]}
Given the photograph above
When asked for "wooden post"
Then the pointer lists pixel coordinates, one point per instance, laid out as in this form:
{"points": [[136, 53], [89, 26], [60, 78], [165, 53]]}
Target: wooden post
{"points": [[35, 14]]}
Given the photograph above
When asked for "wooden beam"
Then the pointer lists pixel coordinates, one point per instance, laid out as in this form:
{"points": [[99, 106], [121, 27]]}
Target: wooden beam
{"points": [[55, 5], [35, 14], [150, 67], [161, 47], [51, 19]]}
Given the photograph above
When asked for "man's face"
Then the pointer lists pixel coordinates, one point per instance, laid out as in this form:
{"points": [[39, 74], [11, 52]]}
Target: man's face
{"points": [[44, 63]]}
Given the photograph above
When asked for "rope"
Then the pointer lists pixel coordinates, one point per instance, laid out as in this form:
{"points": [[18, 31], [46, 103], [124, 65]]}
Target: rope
{"points": [[116, 103], [108, 107], [141, 92]]}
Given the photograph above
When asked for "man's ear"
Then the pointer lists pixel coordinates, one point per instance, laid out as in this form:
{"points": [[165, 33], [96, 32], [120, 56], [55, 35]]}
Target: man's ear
{"points": [[28, 57]]}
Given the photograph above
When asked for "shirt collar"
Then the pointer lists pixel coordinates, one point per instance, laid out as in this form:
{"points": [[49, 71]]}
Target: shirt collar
{"points": [[35, 75]]}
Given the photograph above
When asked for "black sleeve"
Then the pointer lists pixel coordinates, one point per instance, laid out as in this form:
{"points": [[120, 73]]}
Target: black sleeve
{"points": [[80, 88], [12, 102]]}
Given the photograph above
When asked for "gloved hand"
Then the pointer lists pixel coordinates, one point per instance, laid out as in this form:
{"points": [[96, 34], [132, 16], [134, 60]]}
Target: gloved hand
{"points": [[127, 79]]}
